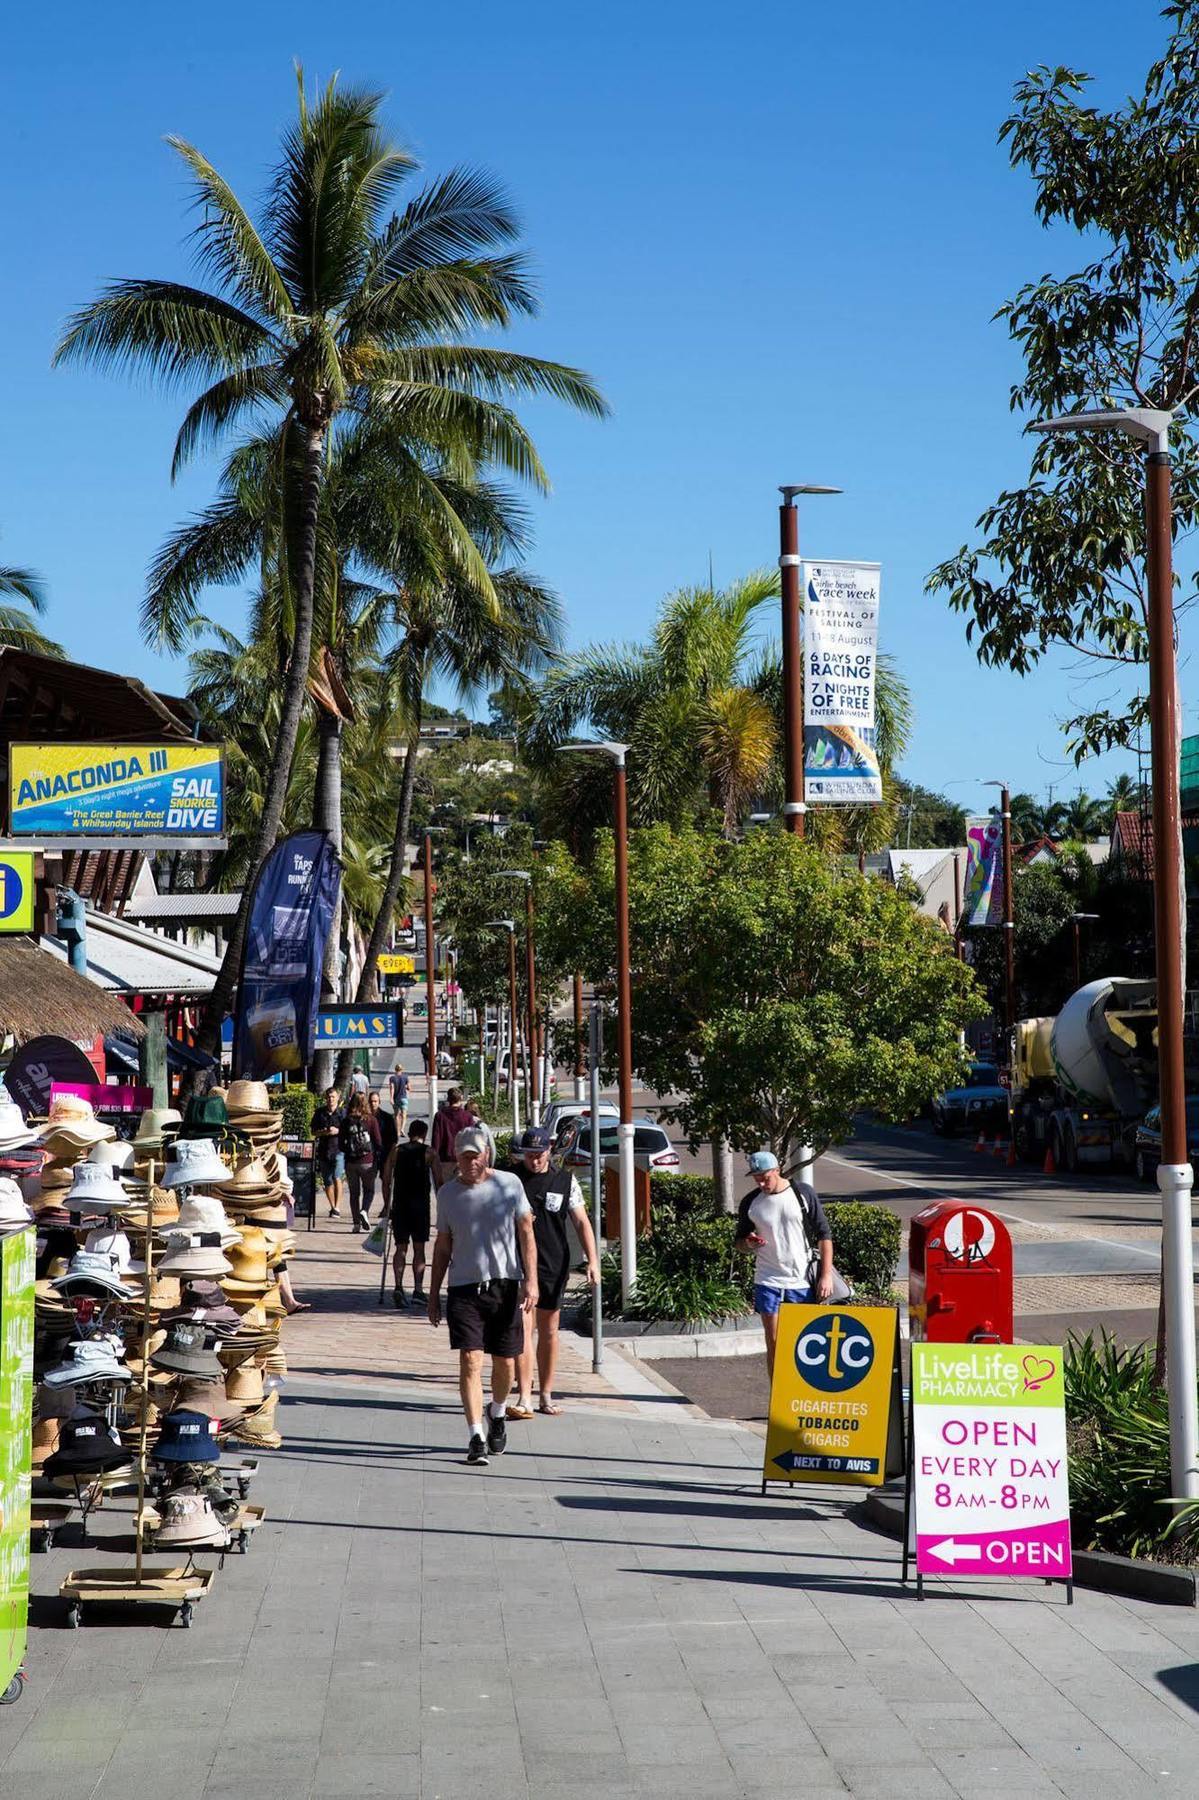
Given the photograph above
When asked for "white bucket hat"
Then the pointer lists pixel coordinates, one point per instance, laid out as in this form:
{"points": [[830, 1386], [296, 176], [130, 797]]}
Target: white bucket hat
{"points": [[14, 1133], [188, 1520], [114, 1244], [94, 1189], [204, 1213], [92, 1359], [13, 1211], [92, 1269], [114, 1155], [196, 1164]]}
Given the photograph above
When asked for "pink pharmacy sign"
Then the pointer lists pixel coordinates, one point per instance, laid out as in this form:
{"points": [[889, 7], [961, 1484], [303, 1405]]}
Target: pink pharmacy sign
{"points": [[989, 1489]]}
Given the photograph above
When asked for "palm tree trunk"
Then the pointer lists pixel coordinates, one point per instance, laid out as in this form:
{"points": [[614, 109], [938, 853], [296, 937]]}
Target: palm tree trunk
{"points": [[367, 981], [327, 816], [219, 1001]]}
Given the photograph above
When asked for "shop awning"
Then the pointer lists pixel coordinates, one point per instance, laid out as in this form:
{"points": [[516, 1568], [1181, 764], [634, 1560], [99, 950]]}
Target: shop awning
{"points": [[40, 995], [125, 959]]}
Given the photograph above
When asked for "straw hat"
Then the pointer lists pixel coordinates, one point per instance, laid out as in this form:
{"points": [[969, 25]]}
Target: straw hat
{"points": [[155, 1126], [250, 1182], [164, 1210], [56, 1176], [194, 1394], [194, 1253], [248, 1265], [273, 1301], [45, 1440], [244, 1384], [164, 1289], [78, 1135], [66, 1108], [247, 1097]]}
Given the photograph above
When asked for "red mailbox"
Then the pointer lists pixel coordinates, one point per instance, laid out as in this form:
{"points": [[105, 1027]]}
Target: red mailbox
{"points": [[960, 1275]]}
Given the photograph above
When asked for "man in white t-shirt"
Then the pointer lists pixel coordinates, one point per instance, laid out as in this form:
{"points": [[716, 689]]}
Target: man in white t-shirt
{"points": [[788, 1234]]}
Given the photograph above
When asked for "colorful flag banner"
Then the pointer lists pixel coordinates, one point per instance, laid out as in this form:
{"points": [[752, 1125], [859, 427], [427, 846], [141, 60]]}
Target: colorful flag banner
{"points": [[840, 655], [982, 899]]}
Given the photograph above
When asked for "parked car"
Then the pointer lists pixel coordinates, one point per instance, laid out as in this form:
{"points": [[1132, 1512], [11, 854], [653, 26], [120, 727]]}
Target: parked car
{"points": [[1147, 1146], [651, 1145], [559, 1115], [980, 1104]]}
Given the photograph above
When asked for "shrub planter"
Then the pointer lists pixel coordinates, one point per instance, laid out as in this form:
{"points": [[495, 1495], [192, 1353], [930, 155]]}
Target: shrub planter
{"points": [[652, 1340], [1132, 1576]]}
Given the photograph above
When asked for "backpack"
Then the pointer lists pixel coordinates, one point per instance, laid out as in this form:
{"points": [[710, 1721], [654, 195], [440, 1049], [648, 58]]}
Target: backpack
{"points": [[358, 1141]]}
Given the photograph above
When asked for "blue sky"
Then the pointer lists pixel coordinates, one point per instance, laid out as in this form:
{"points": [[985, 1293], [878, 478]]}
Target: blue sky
{"points": [[775, 235]]}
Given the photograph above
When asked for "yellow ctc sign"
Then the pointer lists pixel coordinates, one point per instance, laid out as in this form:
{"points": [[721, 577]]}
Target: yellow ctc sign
{"points": [[16, 891], [833, 1396]]}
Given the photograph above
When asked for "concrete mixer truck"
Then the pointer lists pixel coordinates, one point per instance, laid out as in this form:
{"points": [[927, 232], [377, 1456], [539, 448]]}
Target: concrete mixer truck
{"points": [[1081, 1082]]}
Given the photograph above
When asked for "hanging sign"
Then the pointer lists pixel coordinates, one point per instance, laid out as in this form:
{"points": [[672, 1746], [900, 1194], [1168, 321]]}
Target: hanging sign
{"points": [[988, 1461], [392, 963], [834, 1396], [982, 898], [291, 914], [841, 765], [16, 890], [108, 1100], [350, 1025], [37, 1065], [116, 790]]}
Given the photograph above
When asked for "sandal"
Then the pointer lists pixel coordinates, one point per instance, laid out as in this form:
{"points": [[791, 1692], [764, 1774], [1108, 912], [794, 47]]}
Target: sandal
{"points": [[519, 1412], [300, 1306], [549, 1409]]}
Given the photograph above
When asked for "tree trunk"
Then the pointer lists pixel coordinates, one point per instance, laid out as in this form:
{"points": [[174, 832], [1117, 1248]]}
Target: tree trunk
{"points": [[722, 1175], [327, 816], [367, 981], [219, 1001]]}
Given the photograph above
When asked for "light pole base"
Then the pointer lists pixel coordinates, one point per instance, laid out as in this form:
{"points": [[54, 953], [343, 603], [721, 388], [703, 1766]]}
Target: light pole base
{"points": [[628, 1215], [1178, 1287]]}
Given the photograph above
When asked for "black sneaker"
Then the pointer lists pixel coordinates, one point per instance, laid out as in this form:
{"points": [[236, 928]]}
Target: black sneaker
{"points": [[477, 1451], [497, 1436], [419, 1297], [397, 1299]]}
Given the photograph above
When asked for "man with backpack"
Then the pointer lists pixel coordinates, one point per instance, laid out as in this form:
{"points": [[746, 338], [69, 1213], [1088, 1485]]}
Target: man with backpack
{"points": [[787, 1233], [451, 1118], [361, 1143]]}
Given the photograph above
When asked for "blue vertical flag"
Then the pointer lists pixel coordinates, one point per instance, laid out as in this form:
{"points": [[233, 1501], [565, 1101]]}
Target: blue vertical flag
{"points": [[295, 896]]}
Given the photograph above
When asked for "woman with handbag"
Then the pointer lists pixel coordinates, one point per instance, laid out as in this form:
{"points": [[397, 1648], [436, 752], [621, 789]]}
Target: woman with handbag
{"points": [[361, 1143], [787, 1233]]}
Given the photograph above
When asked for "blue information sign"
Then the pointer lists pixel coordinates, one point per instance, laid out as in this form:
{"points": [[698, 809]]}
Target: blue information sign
{"points": [[379, 1026]]}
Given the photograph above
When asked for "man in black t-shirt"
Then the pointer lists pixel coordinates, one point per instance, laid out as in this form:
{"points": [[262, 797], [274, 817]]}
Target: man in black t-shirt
{"points": [[327, 1123], [387, 1142], [411, 1193], [554, 1195]]}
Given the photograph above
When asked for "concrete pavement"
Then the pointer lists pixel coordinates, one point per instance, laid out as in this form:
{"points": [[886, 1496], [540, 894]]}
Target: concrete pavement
{"points": [[610, 1610]]}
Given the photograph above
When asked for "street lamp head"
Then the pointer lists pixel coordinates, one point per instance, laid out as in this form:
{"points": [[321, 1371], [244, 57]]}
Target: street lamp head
{"points": [[605, 746], [1079, 918], [982, 783], [511, 874], [500, 924], [1145, 423], [806, 487]]}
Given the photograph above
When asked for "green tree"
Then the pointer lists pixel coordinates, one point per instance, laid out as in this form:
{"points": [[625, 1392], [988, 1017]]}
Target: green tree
{"points": [[1123, 795], [17, 629], [332, 302], [927, 819], [774, 993], [1028, 819], [1081, 819], [1060, 562]]}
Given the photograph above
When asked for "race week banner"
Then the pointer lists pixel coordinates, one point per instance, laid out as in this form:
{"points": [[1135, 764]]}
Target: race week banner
{"points": [[116, 790], [841, 765]]}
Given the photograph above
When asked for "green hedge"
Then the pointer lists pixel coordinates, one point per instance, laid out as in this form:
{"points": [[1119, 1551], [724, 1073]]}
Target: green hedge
{"points": [[297, 1104]]}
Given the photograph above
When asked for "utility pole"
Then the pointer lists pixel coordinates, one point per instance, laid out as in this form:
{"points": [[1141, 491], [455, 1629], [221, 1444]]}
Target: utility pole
{"points": [[430, 980], [794, 806]]}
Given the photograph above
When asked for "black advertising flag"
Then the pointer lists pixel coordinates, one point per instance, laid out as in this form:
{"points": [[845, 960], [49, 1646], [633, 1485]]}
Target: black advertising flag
{"points": [[290, 918]]}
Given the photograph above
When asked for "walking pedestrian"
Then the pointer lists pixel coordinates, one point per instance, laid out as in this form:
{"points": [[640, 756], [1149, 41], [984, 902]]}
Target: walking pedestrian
{"points": [[360, 1143], [485, 1246], [397, 1081], [411, 1193], [360, 1081], [786, 1231], [451, 1118], [556, 1197], [388, 1139], [327, 1122]]}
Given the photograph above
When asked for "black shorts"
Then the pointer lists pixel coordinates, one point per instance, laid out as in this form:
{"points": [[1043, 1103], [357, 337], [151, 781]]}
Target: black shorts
{"points": [[486, 1316], [551, 1285], [410, 1218]]}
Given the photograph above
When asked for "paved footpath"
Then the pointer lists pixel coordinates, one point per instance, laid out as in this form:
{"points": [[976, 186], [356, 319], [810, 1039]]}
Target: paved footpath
{"points": [[608, 1611]]}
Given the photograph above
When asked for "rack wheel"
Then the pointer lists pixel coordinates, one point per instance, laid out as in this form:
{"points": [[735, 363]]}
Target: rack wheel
{"points": [[48, 1538], [74, 1615], [14, 1690], [243, 1542], [185, 1615], [243, 1488]]}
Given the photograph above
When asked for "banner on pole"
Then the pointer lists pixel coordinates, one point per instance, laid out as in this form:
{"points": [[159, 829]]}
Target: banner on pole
{"points": [[989, 1489], [290, 918], [834, 1399], [982, 898], [840, 655]]}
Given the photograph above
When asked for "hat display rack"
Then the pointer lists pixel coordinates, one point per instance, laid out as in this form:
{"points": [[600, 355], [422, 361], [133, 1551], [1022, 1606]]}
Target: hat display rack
{"points": [[157, 1332]]}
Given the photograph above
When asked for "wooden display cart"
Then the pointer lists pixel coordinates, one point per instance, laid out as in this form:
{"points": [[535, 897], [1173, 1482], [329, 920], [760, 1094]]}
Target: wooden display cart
{"points": [[173, 1587]]}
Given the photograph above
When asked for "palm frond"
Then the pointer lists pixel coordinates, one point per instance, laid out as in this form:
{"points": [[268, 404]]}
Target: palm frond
{"points": [[229, 245], [166, 328], [225, 403], [26, 585]]}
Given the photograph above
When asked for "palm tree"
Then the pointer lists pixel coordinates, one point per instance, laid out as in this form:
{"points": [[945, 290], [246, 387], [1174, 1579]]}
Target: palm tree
{"points": [[1081, 819], [1028, 819], [700, 705], [17, 630], [1123, 795], [332, 302]]}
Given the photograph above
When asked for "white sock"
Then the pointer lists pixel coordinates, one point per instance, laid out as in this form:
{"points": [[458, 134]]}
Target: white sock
{"points": [[474, 1428], [498, 1408]]}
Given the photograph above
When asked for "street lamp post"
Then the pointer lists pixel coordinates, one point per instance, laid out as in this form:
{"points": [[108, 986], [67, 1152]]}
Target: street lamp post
{"points": [[531, 983], [509, 925], [1009, 922], [430, 978], [1077, 920], [1175, 1176], [624, 1003], [794, 806], [580, 1066]]}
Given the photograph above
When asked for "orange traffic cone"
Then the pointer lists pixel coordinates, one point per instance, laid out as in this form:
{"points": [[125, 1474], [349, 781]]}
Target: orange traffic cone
{"points": [[998, 1150], [981, 1144], [1050, 1167]]}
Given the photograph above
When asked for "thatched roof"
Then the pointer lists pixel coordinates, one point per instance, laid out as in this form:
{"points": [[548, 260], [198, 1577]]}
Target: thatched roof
{"points": [[38, 994]]}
